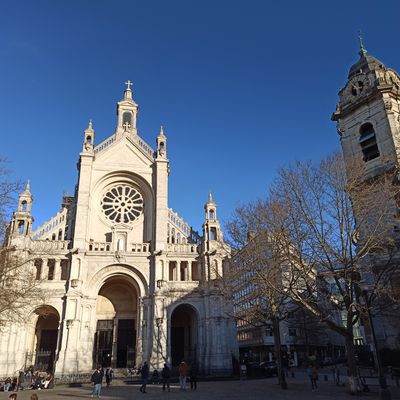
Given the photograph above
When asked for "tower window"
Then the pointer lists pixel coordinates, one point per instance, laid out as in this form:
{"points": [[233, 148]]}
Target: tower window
{"points": [[24, 206], [368, 143], [127, 118], [212, 214]]}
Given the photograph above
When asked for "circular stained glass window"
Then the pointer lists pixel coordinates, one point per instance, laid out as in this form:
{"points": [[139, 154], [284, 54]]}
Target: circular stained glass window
{"points": [[122, 204]]}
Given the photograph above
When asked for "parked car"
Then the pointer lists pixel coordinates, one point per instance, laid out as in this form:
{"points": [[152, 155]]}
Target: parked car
{"points": [[269, 368]]}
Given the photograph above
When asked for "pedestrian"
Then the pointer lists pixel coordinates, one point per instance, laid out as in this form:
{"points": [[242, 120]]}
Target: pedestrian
{"points": [[166, 377], [7, 384], [20, 381], [34, 396], [193, 376], [109, 376], [97, 379], [13, 396], [155, 377], [183, 372], [312, 373], [144, 372]]}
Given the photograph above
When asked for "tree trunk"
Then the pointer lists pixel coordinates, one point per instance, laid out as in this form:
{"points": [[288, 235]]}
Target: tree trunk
{"points": [[354, 384], [278, 351]]}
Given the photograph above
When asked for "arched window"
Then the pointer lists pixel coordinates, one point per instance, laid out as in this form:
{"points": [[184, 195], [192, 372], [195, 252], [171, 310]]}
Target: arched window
{"points": [[211, 214], [53, 236], [89, 139], [368, 143], [60, 235], [21, 227], [24, 205], [127, 118]]}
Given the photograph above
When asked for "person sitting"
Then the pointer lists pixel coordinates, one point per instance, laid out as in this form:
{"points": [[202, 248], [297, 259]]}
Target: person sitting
{"points": [[47, 382], [7, 384]]}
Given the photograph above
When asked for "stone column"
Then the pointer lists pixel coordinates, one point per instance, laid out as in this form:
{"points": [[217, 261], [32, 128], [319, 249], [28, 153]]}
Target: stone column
{"points": [[178, 270], [57, 269], [190, 270]]}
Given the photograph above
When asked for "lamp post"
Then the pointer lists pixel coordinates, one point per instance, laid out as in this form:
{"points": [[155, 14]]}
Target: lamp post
{"points": [[384, 390]]}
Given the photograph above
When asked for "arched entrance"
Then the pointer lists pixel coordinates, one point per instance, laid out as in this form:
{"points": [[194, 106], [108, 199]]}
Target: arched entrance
{"points": [[46, 321], [184, 326], [116, 319]]}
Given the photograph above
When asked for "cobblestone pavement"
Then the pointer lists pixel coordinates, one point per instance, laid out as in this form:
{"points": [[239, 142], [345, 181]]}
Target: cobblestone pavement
{"points": [[298, 389]]}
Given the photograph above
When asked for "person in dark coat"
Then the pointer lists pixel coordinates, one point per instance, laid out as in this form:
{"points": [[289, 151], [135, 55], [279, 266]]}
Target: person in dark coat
{"points": [[97, 379], [193, 376], [145, 376], [109, 376], [166, 376]]}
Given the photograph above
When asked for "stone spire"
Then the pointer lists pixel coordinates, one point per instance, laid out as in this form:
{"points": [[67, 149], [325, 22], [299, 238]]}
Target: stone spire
{"points": [[161, 144], [88, 142]]}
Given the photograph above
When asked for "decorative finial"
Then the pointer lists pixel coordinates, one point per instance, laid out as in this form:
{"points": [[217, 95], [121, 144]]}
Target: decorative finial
{"points": [[210, 199], [161, 131], [362, 52], [128, 91], [28, 186], [89, 129]]}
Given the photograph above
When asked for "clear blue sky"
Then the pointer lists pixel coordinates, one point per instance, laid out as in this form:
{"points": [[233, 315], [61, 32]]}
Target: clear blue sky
{"points": [[240, 87]]}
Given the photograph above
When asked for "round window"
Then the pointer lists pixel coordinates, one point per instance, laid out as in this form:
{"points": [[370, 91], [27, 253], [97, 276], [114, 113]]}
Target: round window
{"points": [[122, 204]]}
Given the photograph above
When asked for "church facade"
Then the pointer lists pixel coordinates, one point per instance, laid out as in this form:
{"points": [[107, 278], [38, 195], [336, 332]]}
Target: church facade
{"points": [[127, 279]]}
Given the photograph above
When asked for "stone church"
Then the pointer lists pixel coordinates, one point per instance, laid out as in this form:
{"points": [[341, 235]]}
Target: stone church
{"points": [[368, 123], [127, 279]]}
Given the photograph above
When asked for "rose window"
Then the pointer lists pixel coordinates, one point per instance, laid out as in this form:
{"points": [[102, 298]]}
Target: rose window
{"points": [[122, 203]]}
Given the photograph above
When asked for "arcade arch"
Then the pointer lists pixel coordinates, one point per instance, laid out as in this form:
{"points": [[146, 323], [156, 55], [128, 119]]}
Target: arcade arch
{"points": [[116, 323], [184, 334], [45, 322]]}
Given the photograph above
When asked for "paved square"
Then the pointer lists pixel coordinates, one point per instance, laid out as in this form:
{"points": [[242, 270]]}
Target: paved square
{"points": [[299, 389]]}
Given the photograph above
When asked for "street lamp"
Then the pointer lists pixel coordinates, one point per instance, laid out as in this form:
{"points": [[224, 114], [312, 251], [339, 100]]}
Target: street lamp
{"points": [[384, 390]]}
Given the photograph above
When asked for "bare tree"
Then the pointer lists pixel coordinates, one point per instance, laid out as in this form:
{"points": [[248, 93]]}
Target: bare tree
{"points": [[8, 192], [327, 223], [20, 284]]}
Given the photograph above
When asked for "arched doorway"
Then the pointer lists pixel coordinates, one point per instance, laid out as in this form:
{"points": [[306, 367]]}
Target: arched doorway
{"points": [[46, 321], [116, 319], [184, 326]]}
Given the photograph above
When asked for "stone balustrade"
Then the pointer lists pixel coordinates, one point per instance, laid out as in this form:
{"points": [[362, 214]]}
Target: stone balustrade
{"points": [[182, 248], [109, 247], [103, 145], [48, 245], [143, 145]]}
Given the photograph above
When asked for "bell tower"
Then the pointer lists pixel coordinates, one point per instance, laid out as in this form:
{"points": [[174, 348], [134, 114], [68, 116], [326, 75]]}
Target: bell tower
{"points": [[368, 115], [22, 220], [127, 111]]}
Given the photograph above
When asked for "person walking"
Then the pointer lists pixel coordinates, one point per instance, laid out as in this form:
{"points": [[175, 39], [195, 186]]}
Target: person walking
{"points": [[34, 396], [109, 376], [193, 376], [20, 381], [97, 379], [13, 396], [144, 371], [166, 377], [183, 372], [312, 373]]}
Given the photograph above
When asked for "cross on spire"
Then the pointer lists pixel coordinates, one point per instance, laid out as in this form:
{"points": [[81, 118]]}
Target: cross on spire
{"points": [[128, 85], [126, 126]]}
